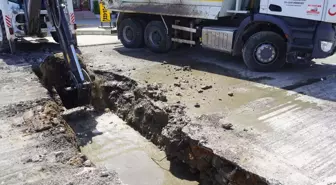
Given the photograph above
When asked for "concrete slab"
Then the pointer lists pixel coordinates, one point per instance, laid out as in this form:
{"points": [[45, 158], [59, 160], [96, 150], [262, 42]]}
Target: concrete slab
{"points": [[18, 84], [283, 123]]}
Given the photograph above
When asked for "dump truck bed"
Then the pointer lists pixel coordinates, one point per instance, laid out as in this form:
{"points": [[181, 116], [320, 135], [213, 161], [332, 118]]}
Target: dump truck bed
{"points": [[206, 9]]}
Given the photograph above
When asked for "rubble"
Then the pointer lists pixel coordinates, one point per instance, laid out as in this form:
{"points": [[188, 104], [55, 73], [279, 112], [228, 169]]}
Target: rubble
{"points": [[186, 68], [177, 84], [227, 126], [206, 87], [87, 163]]}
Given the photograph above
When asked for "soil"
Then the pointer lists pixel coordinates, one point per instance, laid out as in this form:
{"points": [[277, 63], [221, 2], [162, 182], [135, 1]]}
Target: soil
{"points": [[145, 108], [45, 148], [55, 64]]}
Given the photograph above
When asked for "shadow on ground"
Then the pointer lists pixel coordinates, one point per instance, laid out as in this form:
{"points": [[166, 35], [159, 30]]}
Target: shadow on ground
{"points": [[31, 52], [84, 124], [291, 77]]}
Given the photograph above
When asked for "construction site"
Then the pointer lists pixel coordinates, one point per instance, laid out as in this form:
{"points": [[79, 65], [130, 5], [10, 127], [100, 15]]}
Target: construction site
{"points": [[134, 113]]}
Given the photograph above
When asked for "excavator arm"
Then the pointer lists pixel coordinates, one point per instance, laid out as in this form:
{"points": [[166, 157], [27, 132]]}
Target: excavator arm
{"points": [[78, 91]]}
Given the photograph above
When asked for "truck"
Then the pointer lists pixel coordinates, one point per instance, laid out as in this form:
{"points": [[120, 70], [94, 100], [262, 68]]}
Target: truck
{"points": [[16, 25], [266, 33]]}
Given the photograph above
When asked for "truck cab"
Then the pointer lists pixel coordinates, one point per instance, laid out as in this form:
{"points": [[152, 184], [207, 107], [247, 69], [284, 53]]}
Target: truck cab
{"points": [[267, 33]]}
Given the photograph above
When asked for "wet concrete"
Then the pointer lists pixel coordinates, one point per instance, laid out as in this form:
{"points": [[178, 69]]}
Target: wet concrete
{"points": [[108, 141]]}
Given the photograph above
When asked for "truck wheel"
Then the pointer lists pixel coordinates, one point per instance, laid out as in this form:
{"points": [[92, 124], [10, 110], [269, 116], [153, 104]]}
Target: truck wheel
{"points": [[130, 33], [4, 43], [156, 37], [265, 51], [54, 36]]}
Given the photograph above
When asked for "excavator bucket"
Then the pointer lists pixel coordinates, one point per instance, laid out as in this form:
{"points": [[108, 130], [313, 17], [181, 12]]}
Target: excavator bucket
{"points": [[73, 95], [56, 74]]}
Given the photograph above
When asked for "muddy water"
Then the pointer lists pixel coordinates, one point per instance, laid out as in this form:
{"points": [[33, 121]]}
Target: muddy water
{"points": [[249, 102], [111, 143]]}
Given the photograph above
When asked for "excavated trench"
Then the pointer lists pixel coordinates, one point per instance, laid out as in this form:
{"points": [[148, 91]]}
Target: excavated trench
{"points": [[145, 109]]}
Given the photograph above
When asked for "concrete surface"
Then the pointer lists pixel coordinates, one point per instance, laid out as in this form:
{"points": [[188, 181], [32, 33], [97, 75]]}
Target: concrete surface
{"points": [[120, 148], [93, 26], [283, 122], [82, 23], [82, 15], [18, 84], [95, 31]]}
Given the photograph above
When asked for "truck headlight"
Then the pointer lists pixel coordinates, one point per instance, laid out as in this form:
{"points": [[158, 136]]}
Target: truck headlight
{"points": [[326, 46]]}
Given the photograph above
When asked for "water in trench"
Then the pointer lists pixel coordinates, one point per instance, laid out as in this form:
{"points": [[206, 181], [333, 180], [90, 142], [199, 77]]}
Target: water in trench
{"points": [[108, 141]]}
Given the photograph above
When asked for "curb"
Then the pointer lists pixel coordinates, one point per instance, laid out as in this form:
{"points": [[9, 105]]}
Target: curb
{"points": [[96, 31]]}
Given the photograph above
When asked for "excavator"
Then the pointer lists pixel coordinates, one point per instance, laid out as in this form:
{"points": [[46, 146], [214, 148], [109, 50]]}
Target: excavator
{"points": [[76, 89]]}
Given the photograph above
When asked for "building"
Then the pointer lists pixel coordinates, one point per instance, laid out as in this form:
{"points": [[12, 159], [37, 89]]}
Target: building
{"points": [[83, 5], [84, 9]]}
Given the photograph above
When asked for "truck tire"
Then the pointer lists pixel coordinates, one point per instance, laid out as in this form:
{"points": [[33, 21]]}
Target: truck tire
{"points": [[4, 43], [130, 33], [265, 51], [156, 37], [54, 36]]}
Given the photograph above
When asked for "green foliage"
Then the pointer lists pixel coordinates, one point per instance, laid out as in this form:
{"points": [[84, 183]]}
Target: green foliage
{"points": [[96, 9]]}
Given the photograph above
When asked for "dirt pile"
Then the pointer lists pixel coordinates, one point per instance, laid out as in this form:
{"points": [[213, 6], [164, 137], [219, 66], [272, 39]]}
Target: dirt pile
{"points": [[48, 118], [55, 74]]}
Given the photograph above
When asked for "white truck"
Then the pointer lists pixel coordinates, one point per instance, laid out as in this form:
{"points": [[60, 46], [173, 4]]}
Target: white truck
{"points": [[267, 33], [14, 25]]}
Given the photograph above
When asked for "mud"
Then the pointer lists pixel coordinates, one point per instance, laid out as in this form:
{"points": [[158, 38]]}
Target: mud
{"points": [[55, 75], [146, 110], [55, 64]]}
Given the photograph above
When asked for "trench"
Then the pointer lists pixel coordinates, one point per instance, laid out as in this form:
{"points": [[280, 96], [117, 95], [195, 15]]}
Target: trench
{"points": [[108, 141], [134, 131]]}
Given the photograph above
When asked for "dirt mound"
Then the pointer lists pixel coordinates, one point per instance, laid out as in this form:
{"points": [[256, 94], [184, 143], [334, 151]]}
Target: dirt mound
{"points": [[48, 118], [55, 73]]}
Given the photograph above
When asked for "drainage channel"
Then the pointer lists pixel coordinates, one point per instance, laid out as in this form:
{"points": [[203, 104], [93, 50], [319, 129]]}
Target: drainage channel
{"points": [[109, 142]]}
